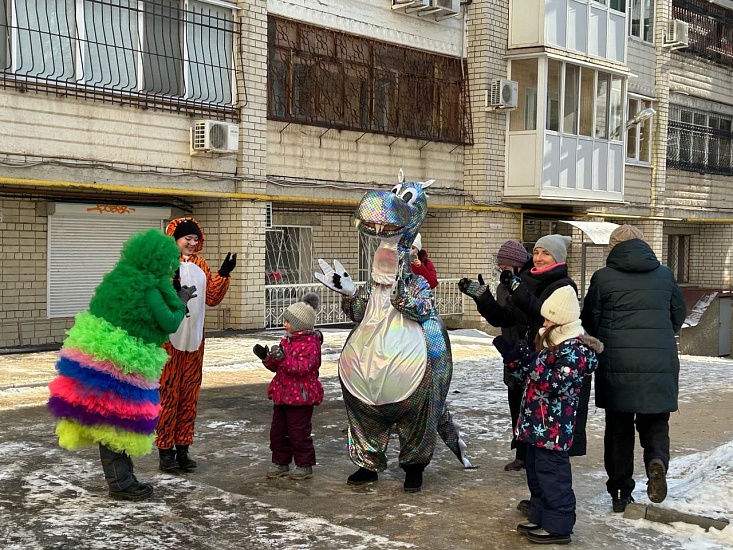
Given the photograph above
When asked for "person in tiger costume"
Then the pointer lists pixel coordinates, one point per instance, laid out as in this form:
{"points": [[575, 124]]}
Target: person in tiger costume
{"points": [[180, 383]]}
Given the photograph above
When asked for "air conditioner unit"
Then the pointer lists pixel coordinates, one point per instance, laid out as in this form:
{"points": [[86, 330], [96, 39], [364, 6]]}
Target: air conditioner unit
{"points": [[214, 137], [504, 94], [410, 5], [677, 34], [446, 7]]}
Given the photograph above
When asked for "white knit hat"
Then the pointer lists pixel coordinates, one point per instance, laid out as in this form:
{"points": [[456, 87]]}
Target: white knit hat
{"points": [[562, 306], [417, 243], [302, 315], [556, 245]]}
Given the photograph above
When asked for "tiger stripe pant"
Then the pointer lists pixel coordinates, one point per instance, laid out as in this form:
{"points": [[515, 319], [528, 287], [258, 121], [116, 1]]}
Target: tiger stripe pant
{"points": [[180, 385]]}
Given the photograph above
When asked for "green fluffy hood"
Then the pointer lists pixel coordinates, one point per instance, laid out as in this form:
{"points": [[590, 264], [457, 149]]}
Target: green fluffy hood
{"points": [[148, 260]]}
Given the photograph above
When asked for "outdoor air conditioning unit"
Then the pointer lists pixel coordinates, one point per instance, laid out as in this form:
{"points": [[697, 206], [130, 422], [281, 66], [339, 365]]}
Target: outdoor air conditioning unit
{"points": [[677, 35], [504, 94], [446, 7], [410, 5], [212, 136]]}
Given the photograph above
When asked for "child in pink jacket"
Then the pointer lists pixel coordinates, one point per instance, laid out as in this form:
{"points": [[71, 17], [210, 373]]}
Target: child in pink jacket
{"points": [[294, 390]]}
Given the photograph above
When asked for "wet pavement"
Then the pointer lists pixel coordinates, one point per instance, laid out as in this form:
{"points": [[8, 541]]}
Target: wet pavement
{"points": [[52, 498]]}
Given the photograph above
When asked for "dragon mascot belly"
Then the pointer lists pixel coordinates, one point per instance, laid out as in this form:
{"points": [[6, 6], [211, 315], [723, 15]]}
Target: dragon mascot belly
{"points": [[396, 366]]}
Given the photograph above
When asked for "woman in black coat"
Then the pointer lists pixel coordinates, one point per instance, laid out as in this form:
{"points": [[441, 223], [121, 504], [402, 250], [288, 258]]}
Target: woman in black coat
{"points": [[634, 307], [522, 310]]}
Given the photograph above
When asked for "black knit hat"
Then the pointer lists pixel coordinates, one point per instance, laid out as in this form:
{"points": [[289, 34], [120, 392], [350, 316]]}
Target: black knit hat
{"points": [[186, 227]]}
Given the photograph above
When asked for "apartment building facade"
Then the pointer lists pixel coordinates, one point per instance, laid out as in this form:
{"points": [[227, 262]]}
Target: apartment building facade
{"points": [[268, 119]]}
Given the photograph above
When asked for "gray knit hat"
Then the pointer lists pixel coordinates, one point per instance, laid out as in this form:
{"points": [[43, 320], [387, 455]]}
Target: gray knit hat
{"points": [[302, 315], [556, 245]]}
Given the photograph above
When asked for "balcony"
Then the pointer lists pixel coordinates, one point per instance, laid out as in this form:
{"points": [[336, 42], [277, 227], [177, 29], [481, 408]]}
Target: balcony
{"points": [[565, 139], [710, 30], [594, 28]]}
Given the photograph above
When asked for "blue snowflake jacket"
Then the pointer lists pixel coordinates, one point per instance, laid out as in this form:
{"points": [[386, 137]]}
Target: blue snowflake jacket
{"points": [[553, 378]]}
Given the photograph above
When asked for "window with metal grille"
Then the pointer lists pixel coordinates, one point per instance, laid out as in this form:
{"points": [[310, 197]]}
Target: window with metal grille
{"points": [[700, 141], [174, 55], [367, 247], [678, 256], [328, 78], [288, 255]]}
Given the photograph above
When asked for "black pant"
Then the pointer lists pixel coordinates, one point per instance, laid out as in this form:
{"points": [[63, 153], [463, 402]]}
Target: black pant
{"points": [[118, 469], [514, 395], [550, 482], [618, 446]]}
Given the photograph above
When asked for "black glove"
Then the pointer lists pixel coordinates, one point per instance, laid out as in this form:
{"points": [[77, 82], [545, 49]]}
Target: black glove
{"points": [[472, 288], [177, 280], [510, 280], [228, 265], [261, 351], [186, 293], [504, 345]]}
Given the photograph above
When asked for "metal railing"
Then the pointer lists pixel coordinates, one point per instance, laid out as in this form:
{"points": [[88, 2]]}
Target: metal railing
{"points": [[448, 299], [153, 54], [710, 30]]}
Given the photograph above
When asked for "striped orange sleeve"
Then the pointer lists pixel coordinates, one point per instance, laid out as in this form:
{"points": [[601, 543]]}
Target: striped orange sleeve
{"points": [[216, 287]]}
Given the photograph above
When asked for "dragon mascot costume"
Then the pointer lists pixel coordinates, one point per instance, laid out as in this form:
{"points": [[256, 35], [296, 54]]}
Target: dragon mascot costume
{"points": [[396, 366]]}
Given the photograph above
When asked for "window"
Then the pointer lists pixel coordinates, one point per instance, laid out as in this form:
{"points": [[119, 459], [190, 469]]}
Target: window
{"points": [[288, 255], [323, 77], [553, 94], [642, 20], [639, 136], [678, 256], [367, 248], [180, 49], [700, 141], [524, 117]]}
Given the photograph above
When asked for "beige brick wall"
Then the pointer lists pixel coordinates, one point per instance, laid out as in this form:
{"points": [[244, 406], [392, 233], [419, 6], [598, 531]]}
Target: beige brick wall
{"points": [[23, 257], [637, 180]]}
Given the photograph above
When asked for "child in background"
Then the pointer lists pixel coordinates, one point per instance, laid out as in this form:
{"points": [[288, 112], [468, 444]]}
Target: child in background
{"points": [[421, 264], [553, 379], [294, 390]]}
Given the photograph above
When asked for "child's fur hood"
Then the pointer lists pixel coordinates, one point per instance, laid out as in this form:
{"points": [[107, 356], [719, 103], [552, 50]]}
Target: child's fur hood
{"points": [[593, 343]]}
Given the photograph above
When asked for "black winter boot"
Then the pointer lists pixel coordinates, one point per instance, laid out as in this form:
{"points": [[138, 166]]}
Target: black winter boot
{"points": [[413, 477], [362, 476], [167, 460], [186, 463], [135, 492]]}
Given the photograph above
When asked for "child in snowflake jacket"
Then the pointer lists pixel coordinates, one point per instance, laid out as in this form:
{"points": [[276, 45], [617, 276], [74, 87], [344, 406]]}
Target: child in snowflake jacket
{"points": [[294, 390], [553, 379]]}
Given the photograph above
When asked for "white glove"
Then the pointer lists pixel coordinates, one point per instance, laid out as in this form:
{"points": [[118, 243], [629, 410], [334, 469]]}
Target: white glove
{"points": [[336, 279]]}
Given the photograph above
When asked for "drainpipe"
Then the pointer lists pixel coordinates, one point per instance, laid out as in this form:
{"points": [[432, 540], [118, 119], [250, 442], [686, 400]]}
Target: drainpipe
{"points": [[663, 56]]}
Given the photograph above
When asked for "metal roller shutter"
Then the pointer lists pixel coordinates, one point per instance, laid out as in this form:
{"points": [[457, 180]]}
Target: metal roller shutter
{"points": [[84, 243]]}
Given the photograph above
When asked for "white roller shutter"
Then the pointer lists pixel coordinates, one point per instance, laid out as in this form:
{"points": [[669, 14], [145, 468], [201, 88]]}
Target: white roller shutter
{"points": [[84, 243]]}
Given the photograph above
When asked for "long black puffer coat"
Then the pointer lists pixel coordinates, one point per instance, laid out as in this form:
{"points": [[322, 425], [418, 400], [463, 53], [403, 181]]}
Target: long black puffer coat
{"points": [[634, 307]]}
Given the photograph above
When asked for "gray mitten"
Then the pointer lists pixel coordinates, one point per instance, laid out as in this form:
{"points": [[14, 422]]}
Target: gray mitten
{"points": [[472, 288], [186, 293], [277, 353]]}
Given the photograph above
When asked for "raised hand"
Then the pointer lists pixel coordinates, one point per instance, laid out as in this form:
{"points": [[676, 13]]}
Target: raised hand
{"points": [[187, 293], [228, 265], [336, 278], [261, 351], [510, 280]]}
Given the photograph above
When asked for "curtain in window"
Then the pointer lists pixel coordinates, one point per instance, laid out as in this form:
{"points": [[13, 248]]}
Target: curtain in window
{"points": [[162, 52], [45, 48], [110, 47], [209, 47]]}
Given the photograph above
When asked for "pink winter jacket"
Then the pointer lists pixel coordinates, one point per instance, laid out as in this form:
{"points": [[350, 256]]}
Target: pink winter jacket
{"points": [[296, 375]]}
